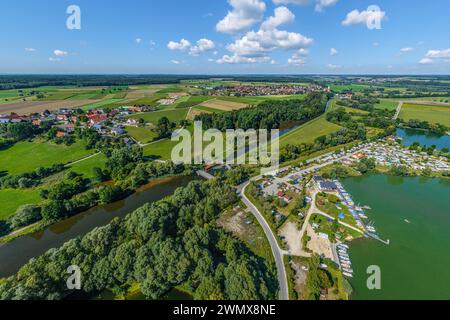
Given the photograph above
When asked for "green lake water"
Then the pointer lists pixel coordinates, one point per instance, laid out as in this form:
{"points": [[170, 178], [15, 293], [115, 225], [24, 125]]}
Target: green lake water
{"points": [[414, 213]]}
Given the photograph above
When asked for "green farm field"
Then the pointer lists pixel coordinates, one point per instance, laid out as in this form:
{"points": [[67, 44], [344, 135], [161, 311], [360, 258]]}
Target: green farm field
{"points": [[432, 114], [173, 115], [309, 132], [27, 156]]}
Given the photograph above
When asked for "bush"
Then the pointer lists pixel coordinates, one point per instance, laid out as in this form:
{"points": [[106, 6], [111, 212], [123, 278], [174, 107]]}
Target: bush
{"points": [[25, 216]]}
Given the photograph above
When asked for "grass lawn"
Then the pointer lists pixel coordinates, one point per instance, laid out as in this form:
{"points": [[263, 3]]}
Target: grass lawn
{"points": [[12, 199], [173, 115], [161, 150], [85, 167], [309, 132], [432, 114], [27, 156], [141, 134], [387, 104]]}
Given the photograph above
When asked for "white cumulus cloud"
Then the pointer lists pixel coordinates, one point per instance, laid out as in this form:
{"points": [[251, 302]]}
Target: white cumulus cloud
{"points": [[282, 16], [406, 50], [243, 16], [356, 17], [60, 53], [202, 46], [426, 61], [183, 45], [333, 66], [297, 2], [438, 53], [334, 52], [321, 4], [433, 56], [234, 59]]}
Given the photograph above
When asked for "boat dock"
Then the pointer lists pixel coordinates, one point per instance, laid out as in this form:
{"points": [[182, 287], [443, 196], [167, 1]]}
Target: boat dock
{"points": [[359, 213]]}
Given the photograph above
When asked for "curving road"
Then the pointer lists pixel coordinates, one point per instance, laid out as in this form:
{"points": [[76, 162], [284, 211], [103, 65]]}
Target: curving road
{"points": [[276, 250]]}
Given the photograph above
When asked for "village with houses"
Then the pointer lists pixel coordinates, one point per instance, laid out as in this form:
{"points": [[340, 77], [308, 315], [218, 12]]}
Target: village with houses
{"points": [[107, 122], [262, 90]]}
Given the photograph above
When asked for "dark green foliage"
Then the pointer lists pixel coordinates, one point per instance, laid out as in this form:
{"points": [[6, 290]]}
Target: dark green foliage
{"points": [[160, 245], [267, 115], [25, 216], [164, 128], [28, 180]]}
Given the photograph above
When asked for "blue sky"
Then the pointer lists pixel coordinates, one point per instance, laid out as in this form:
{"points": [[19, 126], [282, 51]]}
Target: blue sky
{"points": [[226, 37]]}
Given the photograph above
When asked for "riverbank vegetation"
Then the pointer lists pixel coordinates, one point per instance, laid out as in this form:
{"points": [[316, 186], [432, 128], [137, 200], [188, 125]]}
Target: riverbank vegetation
{"points": [[159, 246]]}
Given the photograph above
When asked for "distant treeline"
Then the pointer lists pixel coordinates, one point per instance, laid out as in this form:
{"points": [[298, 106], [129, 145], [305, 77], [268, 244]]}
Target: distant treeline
{"points": [[33, 81]]}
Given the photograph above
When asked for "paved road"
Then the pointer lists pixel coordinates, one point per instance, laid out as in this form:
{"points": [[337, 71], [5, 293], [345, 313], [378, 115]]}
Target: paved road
{"points": [[276, 250]]}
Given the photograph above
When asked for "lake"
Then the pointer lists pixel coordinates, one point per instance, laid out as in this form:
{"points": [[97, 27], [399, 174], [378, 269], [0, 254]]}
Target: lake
{"points": [[18, 252], [410, 136], [414, 213]]}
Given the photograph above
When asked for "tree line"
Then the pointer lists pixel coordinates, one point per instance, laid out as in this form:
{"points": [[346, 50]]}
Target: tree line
{"points": [[267, 115], [159, 246]]}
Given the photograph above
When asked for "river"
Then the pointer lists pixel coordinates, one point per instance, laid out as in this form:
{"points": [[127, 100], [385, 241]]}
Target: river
{"points": [[410, 136], [18, 252], [414, 213]]}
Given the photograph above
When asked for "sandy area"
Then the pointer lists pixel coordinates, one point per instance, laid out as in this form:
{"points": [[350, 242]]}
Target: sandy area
{"points": [[224, 105], [234, 223], [319, 245], [292, 237], [299, 279]]}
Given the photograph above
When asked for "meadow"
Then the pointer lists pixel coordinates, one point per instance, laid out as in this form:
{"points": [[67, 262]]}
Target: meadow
{"points": [[432, 114], [27, 156], [309, 132], [141, 134], [12, 199], [387, 104], [175, 115]]}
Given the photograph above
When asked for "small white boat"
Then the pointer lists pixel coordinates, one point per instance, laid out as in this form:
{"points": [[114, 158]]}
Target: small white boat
{"points": [[348, 275], [350, 271]]}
